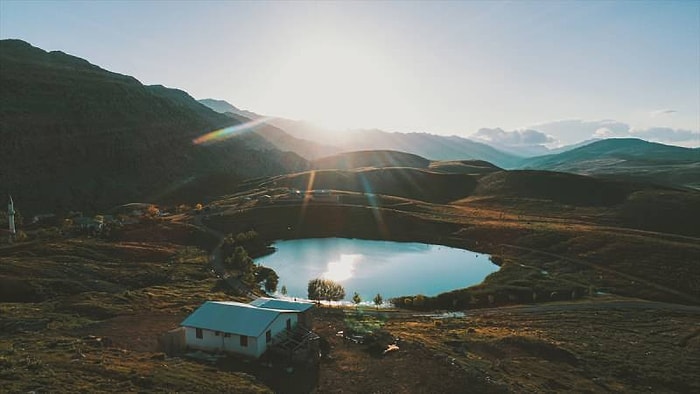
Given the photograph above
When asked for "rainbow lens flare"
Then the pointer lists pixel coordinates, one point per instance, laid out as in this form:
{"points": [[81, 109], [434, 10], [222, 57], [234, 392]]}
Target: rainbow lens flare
{"points": [[227, 132]]}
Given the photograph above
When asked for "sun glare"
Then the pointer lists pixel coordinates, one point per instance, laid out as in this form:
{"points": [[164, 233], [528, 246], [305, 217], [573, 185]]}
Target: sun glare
{"points": [[342, 269], [331, 82]]}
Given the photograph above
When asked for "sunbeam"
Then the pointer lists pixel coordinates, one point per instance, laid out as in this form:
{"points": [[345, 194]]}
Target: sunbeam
{"points": [[374, 205], [307, 197]]}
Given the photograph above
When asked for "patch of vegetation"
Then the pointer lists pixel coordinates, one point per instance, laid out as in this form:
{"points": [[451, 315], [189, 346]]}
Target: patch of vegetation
{"points": [[237, 259], [360, 323], [512, 284], [325, 289]]}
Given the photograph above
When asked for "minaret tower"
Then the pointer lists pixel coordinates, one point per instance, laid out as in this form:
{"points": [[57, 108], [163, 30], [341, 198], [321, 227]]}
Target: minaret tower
{"points": [[11, 219]]}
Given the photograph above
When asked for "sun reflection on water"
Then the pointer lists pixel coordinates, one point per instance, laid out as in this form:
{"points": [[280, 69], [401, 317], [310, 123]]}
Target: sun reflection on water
{"points": [[342, 269]]}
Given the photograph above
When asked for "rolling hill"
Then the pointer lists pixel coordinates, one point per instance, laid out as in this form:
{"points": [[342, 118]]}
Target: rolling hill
{"points": [[556, 187], [76, 136], [374, 158], [627, 158], [404, 182], [430, 146]]}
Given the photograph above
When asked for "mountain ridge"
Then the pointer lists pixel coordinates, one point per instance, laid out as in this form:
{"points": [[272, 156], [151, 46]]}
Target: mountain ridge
{"points": [[279, 138], [628, 158], [76, 136], [430, 146]]}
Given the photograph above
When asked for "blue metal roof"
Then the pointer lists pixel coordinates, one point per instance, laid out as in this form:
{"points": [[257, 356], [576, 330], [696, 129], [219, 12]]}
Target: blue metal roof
{"points": [[233, 317], [275, 303]]}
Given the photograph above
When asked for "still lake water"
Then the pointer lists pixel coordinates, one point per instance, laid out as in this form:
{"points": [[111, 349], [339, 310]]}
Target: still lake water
{"points": [[370, 267]]}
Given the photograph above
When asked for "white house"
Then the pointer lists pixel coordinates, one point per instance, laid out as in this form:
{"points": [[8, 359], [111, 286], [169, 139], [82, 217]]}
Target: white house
{"points": [[236, 327]]}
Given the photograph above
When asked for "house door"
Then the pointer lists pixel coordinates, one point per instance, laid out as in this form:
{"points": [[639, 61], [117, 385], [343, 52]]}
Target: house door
{"points": [[289, 324]]}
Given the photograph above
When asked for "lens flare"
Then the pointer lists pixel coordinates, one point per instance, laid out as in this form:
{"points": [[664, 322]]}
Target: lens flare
{"points": [[227, 132], [374, 205], [307, 198]]}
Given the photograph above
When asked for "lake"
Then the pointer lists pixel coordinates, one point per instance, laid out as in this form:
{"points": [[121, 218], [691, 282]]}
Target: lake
{"points": [[370, 267]]}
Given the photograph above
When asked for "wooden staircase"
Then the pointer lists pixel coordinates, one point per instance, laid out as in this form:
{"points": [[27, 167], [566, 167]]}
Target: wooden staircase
{"points": [[293, 340]]}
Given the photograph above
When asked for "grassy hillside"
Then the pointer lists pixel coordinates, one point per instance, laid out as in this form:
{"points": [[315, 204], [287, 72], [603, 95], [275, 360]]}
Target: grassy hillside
{"points": [[85, 315], [76, 136], [372, 158], [474, 167], [557, 187], [628, 158], [394, 181]]}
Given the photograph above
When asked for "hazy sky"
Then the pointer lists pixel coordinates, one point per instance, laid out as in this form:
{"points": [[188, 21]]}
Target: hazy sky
{"points": [[569, 69]]}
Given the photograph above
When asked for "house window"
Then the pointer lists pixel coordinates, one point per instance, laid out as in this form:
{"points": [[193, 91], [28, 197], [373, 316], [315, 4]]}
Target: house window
{"points": [[217, 333], [289, 324], [244, 341], [198, 333], [227, 335], [268, 336]]}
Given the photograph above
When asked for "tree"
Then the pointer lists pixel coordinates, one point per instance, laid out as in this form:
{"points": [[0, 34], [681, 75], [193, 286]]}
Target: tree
{"points": [[283, 290], [325, 289], [356, 299], [239, 260], [419, 300], [378, 300], [267, 277], [249, 240]]}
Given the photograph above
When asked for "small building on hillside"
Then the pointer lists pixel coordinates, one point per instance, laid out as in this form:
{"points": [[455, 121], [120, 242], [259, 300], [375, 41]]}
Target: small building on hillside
{"points": [[305, 318], [234, 327]]}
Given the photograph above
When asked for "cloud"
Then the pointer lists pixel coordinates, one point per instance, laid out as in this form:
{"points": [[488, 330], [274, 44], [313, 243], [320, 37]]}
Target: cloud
{"points": [[662, 112], [571, 131], [612, 132], [574, 130], [666, 134], [525, 137]]}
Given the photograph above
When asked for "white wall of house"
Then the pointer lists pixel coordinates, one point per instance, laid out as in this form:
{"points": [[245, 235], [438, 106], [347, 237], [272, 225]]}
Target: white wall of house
{"points": [[210, 341], [233, 344]]}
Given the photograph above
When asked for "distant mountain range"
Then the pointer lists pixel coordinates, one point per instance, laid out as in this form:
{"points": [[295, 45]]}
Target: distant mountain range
{"points": [[76, 136], [272, 134], [223, 107], [627, 158], [430, 146]]}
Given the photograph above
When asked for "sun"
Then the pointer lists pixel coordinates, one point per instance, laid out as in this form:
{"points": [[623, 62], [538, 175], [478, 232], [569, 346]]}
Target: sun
{"points": [[333, 81]]}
